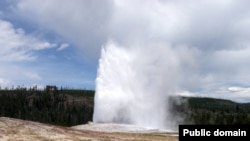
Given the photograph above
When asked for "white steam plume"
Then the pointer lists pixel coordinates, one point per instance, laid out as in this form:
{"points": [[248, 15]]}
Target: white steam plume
{"points": [[134, 84]]}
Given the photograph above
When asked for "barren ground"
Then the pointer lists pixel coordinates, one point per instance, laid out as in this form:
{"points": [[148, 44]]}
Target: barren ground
{"points": [[21, 130]]}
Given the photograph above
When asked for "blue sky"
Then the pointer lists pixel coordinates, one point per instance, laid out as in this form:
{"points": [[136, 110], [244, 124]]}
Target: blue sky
{"points": [[33, 54], [59, 42]]}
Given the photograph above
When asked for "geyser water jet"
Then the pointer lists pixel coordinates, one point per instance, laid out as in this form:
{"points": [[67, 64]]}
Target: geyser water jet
{"points": [[134, 83]]}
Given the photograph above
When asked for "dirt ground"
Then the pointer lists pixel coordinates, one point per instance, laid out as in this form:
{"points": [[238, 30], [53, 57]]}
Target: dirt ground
{"points": [[21, 130]]}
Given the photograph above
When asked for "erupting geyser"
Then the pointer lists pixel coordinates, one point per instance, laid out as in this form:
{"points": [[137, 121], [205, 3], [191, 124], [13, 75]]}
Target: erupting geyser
{"points": [[134, 83]]}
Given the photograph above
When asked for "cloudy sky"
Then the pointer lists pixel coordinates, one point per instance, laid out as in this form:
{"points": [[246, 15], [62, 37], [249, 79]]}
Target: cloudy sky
{"points": [[59, 42]]}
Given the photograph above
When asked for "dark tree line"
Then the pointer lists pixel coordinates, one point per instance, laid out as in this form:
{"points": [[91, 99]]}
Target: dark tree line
{"points": [[213, 111], [48, 106], [69, 107]]}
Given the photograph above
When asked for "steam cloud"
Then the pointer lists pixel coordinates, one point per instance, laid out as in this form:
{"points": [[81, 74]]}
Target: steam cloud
{"points": [[135, 82], [164, 47]]}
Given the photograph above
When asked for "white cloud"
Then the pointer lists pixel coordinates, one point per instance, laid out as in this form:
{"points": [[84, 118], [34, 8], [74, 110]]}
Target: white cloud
{"points": [[82, 22], [234, 93], [32, 75], [210, 38], [18, 46], [62, 47], [186, 94], [4, 82], [16, 73], [240, 91]]}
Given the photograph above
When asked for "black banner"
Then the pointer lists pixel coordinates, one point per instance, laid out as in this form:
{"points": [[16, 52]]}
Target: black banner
{"points": [[215, 132]]}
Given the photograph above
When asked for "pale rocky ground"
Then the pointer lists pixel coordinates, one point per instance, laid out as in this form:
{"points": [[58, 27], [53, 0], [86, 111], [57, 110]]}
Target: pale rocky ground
{"points": [[124, 128], [21, 130]]}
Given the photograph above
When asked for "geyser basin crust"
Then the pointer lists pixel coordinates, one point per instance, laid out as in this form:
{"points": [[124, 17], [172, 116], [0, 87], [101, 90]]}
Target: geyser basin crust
{"points": [[126, 128]]}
